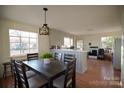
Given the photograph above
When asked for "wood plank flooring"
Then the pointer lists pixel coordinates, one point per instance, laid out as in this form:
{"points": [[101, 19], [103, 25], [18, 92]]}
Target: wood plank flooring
{"points": [[100, 74]]}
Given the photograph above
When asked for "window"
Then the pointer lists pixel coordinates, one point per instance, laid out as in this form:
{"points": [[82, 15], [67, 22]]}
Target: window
{"points": [[68, 42], [22, 42], [107, 42], [80, 44]]}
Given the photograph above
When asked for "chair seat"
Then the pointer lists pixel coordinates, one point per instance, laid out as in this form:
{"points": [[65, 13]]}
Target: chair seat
{"points": [[59, 82], [30, 74], [37, 81]]}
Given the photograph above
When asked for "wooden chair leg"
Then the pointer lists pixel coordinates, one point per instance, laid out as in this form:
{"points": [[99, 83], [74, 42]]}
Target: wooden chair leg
{"points": [[4, 72], [11, 71], [15, 82]]}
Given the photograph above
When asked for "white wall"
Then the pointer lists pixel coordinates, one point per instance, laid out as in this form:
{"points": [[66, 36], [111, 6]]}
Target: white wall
{"points": [[95, 39]]}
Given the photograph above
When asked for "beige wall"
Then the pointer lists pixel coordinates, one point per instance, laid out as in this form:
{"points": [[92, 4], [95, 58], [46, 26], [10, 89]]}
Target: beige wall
{"points": [[122, 57], [0, 49], [57, 37], [44, 47], [95, 39]]}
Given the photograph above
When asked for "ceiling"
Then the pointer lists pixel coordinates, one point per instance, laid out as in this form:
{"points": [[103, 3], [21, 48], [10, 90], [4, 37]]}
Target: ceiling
{"points": [[74, 19]]}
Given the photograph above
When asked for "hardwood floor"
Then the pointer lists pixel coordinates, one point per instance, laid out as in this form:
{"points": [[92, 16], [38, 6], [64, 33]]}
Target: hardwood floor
{"points": [[100, 74]]}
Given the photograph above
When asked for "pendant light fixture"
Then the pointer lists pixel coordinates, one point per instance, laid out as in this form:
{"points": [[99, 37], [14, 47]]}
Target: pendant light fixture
{"points": [[44, 30]]}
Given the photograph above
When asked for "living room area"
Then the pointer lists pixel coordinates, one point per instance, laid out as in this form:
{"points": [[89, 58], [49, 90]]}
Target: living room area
{"points": [[103, 59]]}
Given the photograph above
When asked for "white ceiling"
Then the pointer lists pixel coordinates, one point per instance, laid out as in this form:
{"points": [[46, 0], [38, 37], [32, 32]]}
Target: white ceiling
{"points": [[72, 18]]}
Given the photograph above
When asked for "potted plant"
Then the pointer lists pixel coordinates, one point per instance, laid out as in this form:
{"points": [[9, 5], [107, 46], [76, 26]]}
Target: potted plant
{"points": [[46, 57]]}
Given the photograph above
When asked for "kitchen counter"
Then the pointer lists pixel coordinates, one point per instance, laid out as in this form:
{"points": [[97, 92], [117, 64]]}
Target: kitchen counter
{"points": [[81, 58]]}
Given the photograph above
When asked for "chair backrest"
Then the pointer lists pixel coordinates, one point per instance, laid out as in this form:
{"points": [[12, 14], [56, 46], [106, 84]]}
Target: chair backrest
{"points": [[101, 51], [32, 56], [70, 74], [21, 74], [68, 57], [14, 73], [58, 56], [13, 67]]}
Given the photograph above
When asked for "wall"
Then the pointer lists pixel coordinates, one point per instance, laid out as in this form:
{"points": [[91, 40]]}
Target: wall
{"points": [[0, 41], [95, 39], [122, 47], [0, 49], [57, 37], [44, 47]]}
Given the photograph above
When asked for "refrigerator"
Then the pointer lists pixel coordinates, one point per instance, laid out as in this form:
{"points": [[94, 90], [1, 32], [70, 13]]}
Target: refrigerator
{"points": [[117, 53]]}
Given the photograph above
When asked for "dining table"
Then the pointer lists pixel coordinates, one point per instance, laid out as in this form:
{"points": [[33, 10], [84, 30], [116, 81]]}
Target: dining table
{"points": [[50, 71]]}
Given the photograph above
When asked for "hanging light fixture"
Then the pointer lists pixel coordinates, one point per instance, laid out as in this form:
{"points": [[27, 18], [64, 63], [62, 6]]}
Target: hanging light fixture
{"points": [[44, 30]]}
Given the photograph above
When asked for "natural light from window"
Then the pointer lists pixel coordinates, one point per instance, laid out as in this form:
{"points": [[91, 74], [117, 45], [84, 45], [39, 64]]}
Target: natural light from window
{"points": [[107, 42], [68, 42], [80, 44], [22, 42]]}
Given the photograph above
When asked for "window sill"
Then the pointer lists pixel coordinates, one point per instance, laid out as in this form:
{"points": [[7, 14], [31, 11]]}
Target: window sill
{"points": [[23, 55], [20, 57]]}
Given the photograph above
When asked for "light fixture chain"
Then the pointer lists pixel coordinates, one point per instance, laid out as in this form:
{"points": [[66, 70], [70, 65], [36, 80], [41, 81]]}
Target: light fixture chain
{"points": [[44, 30], [45, 16]]}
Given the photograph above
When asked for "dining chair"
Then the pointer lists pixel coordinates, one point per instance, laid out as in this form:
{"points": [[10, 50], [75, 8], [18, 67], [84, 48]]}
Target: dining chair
{"points": [[58, 56], [68, 58], [32, 82], [16, 81], [68, 79], [101, 53], [6, 66], [14, 74], [32, 56]]}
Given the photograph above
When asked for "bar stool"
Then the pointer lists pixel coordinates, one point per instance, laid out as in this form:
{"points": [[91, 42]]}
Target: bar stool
{"points": [[5, 65]]}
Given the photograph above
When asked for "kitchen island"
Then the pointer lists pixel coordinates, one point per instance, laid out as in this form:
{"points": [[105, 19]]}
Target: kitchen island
{"points": [[81, 58]]}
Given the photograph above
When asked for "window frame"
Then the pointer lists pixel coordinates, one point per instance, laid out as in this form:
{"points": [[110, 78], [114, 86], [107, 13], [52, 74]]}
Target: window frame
{"points": [[71, 41], [106, 40], [21, 41]]}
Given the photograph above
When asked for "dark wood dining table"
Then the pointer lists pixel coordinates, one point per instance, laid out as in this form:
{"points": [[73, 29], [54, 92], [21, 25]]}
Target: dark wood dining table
{"points": [[50, 71]]}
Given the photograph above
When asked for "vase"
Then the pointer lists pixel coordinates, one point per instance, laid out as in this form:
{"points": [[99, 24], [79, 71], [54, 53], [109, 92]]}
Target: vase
{"points": [[46, 60]]}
